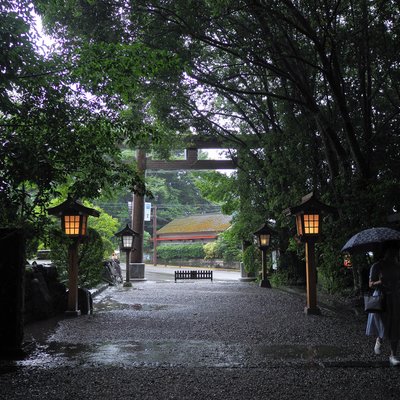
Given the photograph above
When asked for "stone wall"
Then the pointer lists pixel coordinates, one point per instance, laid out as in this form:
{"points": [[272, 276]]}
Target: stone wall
{"points": [[45, 296]]}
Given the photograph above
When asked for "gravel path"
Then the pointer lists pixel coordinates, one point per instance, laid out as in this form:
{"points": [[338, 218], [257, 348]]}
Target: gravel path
{"points": [[201, 340]]}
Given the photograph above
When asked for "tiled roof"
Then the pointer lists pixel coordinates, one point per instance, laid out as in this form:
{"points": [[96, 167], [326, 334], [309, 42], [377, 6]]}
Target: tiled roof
{"points": [[197, 223]]}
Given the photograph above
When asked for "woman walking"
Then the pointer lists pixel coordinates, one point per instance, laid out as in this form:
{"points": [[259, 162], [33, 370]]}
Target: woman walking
{"points": [[385, 276], [374, 322]]}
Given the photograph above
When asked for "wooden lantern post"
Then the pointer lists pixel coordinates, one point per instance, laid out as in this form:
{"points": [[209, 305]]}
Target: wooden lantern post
{"points": [[263, 236], [74, 216], [308, 224], [127, 236]]}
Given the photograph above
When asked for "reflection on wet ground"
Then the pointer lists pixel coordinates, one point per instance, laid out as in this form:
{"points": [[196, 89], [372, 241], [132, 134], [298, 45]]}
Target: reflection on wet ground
{"points": [[174, 353], [109, 304]]}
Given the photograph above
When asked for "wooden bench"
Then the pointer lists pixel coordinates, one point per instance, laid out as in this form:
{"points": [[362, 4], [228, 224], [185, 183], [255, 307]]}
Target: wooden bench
{"points": [[193, 275]]}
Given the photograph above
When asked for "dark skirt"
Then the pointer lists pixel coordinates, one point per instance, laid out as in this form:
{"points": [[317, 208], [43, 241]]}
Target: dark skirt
{"points": [[391, 316]]}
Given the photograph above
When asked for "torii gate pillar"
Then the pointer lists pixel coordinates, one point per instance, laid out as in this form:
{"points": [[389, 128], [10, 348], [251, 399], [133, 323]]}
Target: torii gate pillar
{"points": [[138, 212]]}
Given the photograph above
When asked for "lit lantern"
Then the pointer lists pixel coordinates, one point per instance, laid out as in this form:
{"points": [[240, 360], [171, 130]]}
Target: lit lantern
{"points": [[263, 236], [308, 217], [308, 223], [126, 236], [74, 217]]}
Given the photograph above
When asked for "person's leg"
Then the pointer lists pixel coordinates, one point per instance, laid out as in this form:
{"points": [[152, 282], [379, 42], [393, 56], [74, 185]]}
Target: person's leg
{"points": [[378, 345], [393, 348], [393, 351]]}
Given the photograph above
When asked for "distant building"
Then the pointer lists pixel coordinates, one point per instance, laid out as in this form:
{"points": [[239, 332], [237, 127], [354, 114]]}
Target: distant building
{"points": [[194, 229]]}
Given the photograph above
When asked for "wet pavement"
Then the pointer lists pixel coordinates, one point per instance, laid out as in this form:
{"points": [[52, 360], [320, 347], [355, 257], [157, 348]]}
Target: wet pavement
{"points": [[224, 339]]}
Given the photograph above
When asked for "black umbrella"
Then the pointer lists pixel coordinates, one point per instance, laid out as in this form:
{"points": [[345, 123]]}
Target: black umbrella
{"points": [[370, 240]]}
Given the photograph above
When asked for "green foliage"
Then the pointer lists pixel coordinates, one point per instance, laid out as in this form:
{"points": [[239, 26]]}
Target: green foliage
{"points": [[146, 241], [106, 226], [279, 278], [180, 251], [211, 251], [91, 260], [221, 189], [227, 246], [127, 64], [252, 260], [332, 276], [52, 132]]}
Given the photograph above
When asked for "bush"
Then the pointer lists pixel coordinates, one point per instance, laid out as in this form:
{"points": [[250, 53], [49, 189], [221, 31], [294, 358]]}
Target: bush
{"points": [[210, 250], [331, 275], [279, 278], [180, 251], [227, 247], [252, 259]]}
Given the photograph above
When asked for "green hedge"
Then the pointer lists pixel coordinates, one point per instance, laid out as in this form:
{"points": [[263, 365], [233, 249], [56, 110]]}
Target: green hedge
{"points": [[252, 259], [179, 251]]}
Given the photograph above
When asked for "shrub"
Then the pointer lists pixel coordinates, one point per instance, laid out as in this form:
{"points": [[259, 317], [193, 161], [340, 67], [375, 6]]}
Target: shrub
{"points": [[210, 250], [331, 276], [227, 247], [180, 251], [279, 278], [252, 259]]}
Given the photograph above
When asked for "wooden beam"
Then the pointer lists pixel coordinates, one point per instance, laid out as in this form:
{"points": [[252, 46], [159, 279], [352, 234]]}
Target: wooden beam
{"points": [[186, 164]]}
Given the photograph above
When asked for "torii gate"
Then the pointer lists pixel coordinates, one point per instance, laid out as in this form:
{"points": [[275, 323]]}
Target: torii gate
{"points": [[190, 163]]}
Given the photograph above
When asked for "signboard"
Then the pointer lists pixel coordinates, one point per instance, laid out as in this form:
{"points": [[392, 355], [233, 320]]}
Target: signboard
{"points": [[147, 211]]}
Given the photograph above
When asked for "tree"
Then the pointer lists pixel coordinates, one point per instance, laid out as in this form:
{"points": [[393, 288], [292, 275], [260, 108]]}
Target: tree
{"points": [[306, 92], [52, 133]]}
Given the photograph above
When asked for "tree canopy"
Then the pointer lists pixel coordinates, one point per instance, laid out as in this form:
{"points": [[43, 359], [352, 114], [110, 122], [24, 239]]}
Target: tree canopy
{"points": [[305, 93], [316, 84], [52, 132]]}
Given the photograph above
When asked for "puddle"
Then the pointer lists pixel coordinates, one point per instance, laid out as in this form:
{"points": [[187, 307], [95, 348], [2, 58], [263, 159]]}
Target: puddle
{"points": [[111, 305], [167, 353], [137, 354]]}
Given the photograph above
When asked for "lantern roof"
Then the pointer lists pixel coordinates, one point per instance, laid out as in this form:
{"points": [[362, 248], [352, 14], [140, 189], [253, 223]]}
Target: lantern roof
{"points": [[74, 206], [310, 203], [126, 231], [265, 229]]}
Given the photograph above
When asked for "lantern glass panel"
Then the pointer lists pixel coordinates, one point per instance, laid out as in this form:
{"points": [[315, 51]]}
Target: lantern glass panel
{"points": [[127, 241], [84, 219], [299, 224], [311, 224], [71, 224], [264, 240]]}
